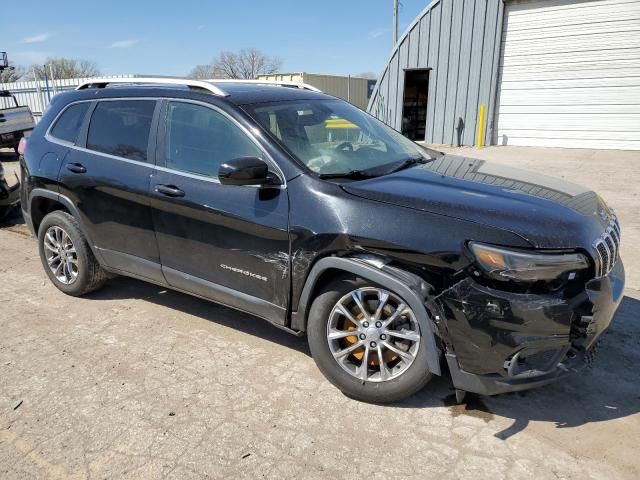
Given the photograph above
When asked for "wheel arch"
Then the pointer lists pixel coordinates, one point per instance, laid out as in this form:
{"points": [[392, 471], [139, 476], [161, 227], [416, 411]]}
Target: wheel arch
{"points": [[409, 286], [43, 202]]}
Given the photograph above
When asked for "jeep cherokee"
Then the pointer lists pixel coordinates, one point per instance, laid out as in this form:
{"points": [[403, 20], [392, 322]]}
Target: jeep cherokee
{"points": [[299, 208]]}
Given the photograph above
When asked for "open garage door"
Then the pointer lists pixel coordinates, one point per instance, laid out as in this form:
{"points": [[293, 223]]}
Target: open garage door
{"points": [[570, 74]]}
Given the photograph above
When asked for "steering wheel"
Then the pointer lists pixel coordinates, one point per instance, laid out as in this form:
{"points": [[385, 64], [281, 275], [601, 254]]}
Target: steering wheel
{"points": [[345, 146]]}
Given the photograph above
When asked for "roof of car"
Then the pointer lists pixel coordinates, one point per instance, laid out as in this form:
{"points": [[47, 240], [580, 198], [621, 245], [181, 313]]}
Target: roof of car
{"points": [[239, 92], [245, 93]]}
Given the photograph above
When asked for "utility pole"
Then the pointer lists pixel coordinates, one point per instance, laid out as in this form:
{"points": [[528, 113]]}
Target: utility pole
{"points": [[395, 21]]}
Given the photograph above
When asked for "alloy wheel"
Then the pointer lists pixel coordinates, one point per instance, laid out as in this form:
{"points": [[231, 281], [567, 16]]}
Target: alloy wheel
{"points": [[61, 255], [373, 335]]}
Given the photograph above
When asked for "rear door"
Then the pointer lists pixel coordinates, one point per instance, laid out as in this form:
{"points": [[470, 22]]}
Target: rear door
{"points": [[226, 243], [106, 175]]}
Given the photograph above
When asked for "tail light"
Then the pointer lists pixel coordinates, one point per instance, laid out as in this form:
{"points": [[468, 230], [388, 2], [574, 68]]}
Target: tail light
{"points": [[22, 146]]}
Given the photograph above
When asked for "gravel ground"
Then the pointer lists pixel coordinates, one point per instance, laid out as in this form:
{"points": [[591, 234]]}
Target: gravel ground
{"points": [[139, 382]]}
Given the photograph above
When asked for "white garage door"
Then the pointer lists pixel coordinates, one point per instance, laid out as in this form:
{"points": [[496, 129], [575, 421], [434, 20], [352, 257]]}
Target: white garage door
{"points": [[570, 74]]}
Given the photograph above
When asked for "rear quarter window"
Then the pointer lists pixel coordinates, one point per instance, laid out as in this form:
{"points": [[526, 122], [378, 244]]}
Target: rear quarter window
{"points": [[68, 124], [121, 128]]}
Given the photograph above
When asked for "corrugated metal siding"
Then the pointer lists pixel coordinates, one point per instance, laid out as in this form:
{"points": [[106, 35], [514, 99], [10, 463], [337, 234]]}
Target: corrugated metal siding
{"points": [[570, 74], [403, 63], [34, 93], [336, 85], [459, 41], [453, 75]]}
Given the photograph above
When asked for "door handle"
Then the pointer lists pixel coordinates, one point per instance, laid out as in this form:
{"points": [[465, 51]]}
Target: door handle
{"points": [[76, 168], [170, 190]]}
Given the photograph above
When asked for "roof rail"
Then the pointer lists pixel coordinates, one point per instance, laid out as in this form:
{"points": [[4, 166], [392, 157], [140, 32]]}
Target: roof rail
{"points": [[200, 84], [208, 85], [304, 86]]}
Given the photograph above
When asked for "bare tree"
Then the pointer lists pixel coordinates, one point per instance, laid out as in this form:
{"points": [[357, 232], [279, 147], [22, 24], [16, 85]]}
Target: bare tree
{"points": [[201, 72], [245, 64], [64, 68], [11, 75]]}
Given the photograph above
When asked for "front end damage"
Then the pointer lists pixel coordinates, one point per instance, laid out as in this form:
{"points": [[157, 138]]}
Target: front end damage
{"points": [[498, 341]]}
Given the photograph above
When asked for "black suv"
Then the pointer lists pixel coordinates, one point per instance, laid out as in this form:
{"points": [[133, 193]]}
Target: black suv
{"points": [[299, 208]]}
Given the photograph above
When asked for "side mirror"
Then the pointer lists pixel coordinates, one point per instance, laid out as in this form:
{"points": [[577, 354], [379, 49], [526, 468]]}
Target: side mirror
{"points": [[246, 171]]}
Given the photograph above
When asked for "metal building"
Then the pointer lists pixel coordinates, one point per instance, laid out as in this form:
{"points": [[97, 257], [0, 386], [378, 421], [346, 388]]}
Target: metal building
{"points": [[562, 73], [353, 89]]}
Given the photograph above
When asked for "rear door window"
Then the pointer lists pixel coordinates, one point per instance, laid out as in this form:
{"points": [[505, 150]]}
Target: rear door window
{"points": [[68, 124], [121, 128]]}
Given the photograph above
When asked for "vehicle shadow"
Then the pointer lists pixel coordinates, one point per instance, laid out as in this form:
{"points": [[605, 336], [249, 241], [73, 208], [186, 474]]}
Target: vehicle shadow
{"points": [[438, 390], [121, 288]]}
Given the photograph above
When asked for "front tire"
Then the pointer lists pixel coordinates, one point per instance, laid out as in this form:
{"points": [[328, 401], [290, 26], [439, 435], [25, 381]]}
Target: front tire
{"points": [[367, 341], [66, 256]]}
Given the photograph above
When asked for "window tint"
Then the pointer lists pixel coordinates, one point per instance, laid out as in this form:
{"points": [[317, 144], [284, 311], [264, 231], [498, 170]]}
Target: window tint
{"points": [[69, 123], [121, 128], [200, 139]]}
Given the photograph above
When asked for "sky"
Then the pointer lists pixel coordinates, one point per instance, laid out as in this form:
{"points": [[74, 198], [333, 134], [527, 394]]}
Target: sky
{"points": [[171, 37]]}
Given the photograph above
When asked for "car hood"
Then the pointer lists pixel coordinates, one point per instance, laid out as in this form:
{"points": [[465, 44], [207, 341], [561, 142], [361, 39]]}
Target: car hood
{"points": [[548, 212]]}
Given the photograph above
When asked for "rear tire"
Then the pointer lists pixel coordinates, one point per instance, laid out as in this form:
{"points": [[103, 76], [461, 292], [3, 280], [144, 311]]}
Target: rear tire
{"points": [[66, 256], [398, 381]]}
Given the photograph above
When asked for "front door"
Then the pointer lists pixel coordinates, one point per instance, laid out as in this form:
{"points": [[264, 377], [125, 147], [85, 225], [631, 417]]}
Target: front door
{"points": [[226, 243]]}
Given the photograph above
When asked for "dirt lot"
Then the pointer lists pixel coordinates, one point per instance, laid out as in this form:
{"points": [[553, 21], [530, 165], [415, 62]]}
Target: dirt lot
{"points": [[139, 382]]}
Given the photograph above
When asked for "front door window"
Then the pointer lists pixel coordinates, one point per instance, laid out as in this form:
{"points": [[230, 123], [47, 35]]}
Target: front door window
{"points": [[200, 139]]}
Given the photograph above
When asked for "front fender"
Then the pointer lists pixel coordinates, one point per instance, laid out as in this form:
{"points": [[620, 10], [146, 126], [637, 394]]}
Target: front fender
{"points": [[410, 287]]}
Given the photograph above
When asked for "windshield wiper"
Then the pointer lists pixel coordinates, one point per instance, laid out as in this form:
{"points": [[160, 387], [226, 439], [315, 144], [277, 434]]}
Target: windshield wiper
{"points": [[352, 174], [378, 171], [409, 162]]}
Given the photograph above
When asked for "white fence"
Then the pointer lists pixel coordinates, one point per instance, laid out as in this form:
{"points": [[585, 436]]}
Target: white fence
{"points": [[36, 96]]}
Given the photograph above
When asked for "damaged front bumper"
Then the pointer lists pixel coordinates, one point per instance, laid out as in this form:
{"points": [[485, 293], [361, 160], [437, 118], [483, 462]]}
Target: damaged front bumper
{"points": [[497, 341]]}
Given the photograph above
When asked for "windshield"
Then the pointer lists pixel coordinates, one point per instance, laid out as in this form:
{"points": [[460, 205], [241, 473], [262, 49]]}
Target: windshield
{"points": [[333, 138]]}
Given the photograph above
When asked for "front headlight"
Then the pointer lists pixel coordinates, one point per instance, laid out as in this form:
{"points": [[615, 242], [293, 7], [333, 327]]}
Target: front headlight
{"points": [[505, 264]]}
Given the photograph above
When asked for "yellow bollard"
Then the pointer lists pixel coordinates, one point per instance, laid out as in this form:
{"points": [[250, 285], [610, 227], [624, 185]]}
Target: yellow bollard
{"points": [[481, 119]]}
